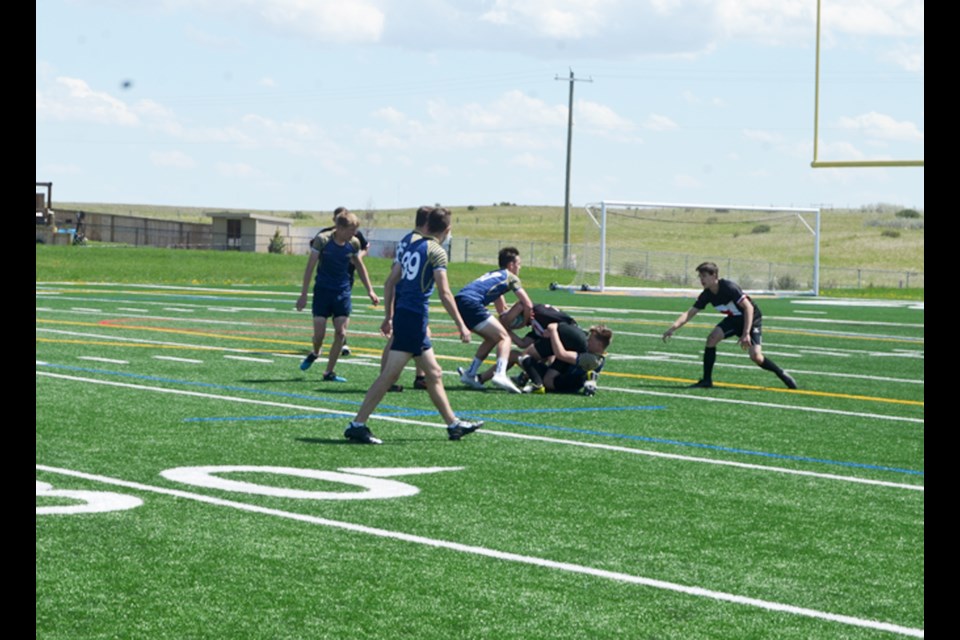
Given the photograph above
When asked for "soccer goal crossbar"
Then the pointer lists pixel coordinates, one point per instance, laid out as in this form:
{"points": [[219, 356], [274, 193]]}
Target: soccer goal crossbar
{"points": [[766, 249]]}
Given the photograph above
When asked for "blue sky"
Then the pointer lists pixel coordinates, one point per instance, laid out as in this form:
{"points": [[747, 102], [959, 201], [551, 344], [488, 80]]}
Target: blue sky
{"points": [[312, 104]]}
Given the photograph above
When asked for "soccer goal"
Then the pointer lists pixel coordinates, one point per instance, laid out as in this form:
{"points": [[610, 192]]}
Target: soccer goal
{"points": [[637, 246]]}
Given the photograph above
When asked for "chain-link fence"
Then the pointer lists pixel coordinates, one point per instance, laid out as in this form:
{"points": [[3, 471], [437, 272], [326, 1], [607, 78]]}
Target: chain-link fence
{"points": [[646, 268]]}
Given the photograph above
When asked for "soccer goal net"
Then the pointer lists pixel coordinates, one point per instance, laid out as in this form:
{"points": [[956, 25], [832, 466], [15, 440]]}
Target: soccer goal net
{"points": [[645, 245]]}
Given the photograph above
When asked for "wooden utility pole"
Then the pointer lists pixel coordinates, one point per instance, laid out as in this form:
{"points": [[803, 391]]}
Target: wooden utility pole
{"points": [[566, 195]]}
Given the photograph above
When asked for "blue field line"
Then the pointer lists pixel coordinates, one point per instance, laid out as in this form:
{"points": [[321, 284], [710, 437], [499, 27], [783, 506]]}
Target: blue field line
{"points": [[209, 385], [699, 445], [480, 414]]}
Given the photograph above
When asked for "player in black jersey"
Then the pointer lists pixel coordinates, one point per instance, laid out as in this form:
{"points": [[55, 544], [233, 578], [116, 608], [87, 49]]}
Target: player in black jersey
{"points": [[743, 319]]}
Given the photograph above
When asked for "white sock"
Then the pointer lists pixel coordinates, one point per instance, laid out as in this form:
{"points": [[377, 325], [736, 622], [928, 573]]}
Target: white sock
{"points": [[501, 367]]}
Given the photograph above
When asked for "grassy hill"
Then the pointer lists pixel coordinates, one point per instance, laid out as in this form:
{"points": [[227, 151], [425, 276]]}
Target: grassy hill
{"points": [[867, 238]]}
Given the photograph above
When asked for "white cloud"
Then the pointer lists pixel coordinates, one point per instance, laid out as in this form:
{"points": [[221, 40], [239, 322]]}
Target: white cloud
{"points": [[572, 19], [839, 151], [657, 122], [883, 127], [513, 120], [389, 114], [685, 181], [906, 56], [438, 171], [596, 115], [73, 100], [64, 169], [530, 161], [897, 18], [323, 20], [332, 20], [268, 82], [237, 170], [766, 137], [174, 159]]}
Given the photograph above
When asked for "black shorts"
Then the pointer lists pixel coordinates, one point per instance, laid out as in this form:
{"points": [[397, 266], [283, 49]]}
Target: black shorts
{"points": [[733, 326]]}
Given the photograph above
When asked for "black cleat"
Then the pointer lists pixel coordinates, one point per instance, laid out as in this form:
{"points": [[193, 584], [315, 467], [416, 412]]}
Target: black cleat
{"points": [[701, 384], [788, 380], [420, 383], [395, 388], [360, 434], [462, 428], [308, 361], [345, 350]]}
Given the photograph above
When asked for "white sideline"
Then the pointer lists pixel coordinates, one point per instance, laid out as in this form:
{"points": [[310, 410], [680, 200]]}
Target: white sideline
{"points": [[521, 436], [503, 555]]}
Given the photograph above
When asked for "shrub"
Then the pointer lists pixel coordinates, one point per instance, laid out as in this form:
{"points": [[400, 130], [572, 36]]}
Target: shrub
{"points": [[300, 215], [761, 228], [277, 244], [908, 213], [634, 269], [786, 282], [890, 233]]}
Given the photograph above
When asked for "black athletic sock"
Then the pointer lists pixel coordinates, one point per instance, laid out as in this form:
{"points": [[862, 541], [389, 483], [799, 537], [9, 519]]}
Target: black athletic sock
{"points": [[770, 365], [709, 358], [530, 367]]}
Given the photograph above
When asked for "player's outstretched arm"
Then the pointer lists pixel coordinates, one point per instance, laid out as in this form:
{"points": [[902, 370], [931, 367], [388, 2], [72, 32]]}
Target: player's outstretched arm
{"points": [[307, 276], [448, 302], [365, 278], [681, 320], [747, 307], [389, 295]]}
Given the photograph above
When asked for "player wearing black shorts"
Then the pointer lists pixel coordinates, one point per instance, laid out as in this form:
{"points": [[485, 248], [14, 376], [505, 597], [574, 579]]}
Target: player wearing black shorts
{"points": [[566, 359], [743, 319]]}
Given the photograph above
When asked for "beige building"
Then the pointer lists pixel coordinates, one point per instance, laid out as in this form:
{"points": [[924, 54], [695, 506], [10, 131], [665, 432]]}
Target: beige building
{"points": [[247, 231]]}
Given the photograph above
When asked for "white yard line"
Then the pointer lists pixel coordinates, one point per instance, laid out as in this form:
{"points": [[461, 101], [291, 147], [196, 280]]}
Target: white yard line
{"points": [[700, 592], [96, 359], [573, 443], [248, 359], [769, 405]]}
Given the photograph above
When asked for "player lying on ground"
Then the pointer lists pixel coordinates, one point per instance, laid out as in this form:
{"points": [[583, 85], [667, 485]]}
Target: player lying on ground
{"points": [[743, 320], [567, 360], [514, 318]]}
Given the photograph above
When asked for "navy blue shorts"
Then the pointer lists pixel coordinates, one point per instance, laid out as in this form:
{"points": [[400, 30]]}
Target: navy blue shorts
{"points": [[328, 303], [410, 332], [472, 312]]}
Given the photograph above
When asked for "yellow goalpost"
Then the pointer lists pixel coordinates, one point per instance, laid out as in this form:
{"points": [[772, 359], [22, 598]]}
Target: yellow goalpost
{"points": [[830, 164]]}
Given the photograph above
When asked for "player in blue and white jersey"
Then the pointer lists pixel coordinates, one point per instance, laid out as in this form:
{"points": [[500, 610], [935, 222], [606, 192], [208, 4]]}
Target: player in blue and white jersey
{"points": [[472, 302], [421, 265]]}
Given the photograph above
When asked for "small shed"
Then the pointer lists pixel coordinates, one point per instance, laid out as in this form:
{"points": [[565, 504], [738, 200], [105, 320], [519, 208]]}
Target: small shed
{"points": [[247, 231]]}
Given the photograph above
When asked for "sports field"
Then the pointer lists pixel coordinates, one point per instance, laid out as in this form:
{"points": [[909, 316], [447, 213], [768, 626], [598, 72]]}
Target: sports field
{"points": [[192, 482]]}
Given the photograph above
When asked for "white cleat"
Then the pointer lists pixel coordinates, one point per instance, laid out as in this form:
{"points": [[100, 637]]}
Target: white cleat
{"points": [[504, 382], [470, 381]]}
